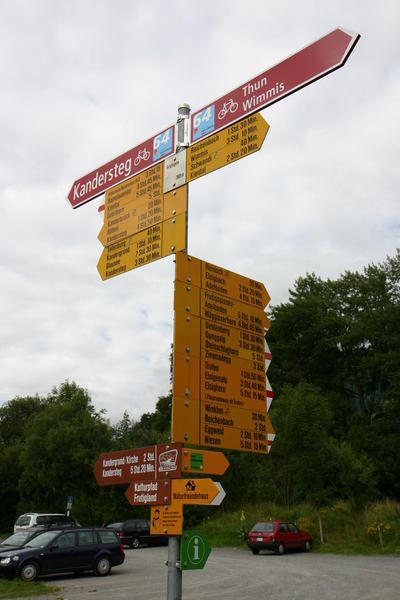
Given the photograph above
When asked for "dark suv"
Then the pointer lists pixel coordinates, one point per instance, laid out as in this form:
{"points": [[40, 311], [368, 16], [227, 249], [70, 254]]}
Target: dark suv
{"points": [[135, 532], [61, 551]]}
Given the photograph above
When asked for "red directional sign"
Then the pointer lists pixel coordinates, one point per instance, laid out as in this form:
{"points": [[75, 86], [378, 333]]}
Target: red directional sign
{"points": [[139, 464], [309, 64], [148, 493], [123, 167]]}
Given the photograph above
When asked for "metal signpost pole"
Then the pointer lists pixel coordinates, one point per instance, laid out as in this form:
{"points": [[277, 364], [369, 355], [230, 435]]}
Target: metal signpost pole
{"points": [[174, 585]]}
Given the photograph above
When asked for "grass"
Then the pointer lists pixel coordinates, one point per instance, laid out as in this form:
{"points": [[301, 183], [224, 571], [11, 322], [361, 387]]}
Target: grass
{"points": [[18, 589], [21, 589], [374, 530]]}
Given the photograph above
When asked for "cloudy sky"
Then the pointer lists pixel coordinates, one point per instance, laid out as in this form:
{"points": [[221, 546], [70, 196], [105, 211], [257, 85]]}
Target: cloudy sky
{"points": [[83, 81]]}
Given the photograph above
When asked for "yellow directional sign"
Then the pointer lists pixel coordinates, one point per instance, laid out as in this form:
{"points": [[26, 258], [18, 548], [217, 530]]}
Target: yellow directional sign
{"points": [[166, 519], [216, 279], [194, 491], [204, 461], [143, 247], [218, 404], [219, 309], [226, 146], [138, 214], [217, 431], [146, 186], [219, 378], [208, 339], [236, 384]]}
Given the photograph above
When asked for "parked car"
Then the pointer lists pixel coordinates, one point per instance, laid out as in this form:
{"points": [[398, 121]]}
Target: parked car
{"points": [[278, 536], [62, 551], [32, 519], [136, 532]]}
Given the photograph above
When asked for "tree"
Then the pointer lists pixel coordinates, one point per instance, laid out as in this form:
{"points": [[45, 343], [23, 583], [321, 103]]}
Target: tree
{"points": [[15, 417], [301, 452], [62, 444]]}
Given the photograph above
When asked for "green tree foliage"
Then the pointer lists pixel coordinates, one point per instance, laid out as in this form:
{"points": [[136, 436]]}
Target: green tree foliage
{"points": [[62, 443], [15, 417], [344, 337]]}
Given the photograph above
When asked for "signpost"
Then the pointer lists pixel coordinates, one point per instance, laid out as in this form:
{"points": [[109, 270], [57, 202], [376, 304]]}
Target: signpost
{"points": [[144, 247], [156, 463], [219, 383], [196, 491], [227, 146], [147, 493], [219, 309], [204, 461], [221, 395], [295, 72], [139, 204], [162, 461], [123, 167], [195, 550], [166, 519], [194, 271]]}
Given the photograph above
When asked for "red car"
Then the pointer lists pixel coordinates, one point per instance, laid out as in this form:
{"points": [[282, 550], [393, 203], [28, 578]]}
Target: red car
{"points": [[278, 536]]}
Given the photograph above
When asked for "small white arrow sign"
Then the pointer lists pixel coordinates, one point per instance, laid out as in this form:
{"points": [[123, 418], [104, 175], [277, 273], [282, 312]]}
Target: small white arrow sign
{"points": [[220, 496]]}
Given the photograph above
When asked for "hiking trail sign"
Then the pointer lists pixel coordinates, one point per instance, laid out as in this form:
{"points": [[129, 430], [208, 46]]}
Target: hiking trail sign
{"points": [[295, 72]]}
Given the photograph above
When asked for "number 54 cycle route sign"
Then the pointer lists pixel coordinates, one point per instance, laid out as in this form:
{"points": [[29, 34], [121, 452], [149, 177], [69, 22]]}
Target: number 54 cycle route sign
{"points": [[295, 72]]}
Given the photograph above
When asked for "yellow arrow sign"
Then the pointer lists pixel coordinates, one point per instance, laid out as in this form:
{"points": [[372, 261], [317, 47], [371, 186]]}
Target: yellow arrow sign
{"points": [[143, 247], [212, 306], [204, 461], [221, 281], [226, 146], [207, 339], [146, 186], [194, 491], [137, 215]]}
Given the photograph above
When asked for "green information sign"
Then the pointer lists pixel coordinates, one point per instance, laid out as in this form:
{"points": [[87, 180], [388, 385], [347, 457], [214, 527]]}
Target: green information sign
{"points": [[195, 550], [196, 461]]}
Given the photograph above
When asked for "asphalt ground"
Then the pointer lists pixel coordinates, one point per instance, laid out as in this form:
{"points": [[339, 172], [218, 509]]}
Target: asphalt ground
{"points": [[232, 574]]}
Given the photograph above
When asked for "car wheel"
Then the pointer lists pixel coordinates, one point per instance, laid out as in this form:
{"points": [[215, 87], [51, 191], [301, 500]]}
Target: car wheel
{"points": [[103, 566], [280, 548], [135, 542], [29, 571], [255, 550], [307, 546]]}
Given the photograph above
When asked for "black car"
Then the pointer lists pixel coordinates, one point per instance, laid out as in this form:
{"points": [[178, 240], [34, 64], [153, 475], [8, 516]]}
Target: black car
{"points": [[22, 537], [136, 532], [19, 539], [61, 551]]}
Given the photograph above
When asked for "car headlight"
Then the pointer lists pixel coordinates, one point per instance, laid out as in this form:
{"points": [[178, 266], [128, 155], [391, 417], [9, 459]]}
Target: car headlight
{"points": [[8, 559]]}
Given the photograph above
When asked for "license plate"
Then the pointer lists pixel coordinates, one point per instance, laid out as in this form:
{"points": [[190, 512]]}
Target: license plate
{"points": [[259, 539]]}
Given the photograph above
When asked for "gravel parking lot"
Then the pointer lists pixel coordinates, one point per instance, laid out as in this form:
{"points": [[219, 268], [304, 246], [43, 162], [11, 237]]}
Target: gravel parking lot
{"points": [[235, 573]]}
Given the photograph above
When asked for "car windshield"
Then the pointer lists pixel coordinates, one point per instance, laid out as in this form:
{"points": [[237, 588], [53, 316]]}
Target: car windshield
{"points": [[42, 539], [23, 520], [17, 539], [264, 527]]}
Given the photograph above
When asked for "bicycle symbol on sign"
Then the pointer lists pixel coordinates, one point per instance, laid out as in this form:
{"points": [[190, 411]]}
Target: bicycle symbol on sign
{"points": [[230, 106], [141, 155]]}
